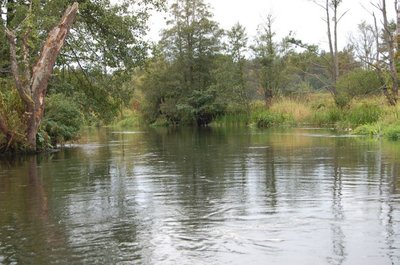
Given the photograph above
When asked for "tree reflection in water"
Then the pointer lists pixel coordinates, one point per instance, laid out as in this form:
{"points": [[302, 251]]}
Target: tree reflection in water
{"points": [[204, 196], [338, 236], [31, 218]]}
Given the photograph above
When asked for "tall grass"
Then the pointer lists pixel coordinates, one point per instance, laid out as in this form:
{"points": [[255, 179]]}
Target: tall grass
{"points": [[282, 113], [379, 119], [299, 112], [392, 132], [364, 113], [232, 119], [267, 119], [366, 116]]}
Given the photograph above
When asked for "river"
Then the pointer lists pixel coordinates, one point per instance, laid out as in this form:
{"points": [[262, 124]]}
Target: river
{"points": [[207, 196]]}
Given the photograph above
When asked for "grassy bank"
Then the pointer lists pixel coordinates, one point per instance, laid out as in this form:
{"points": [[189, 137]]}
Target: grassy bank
{"points": [[368, 116]]}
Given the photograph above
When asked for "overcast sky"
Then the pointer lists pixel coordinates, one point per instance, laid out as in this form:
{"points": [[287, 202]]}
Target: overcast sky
{"points": [[303, 17]]}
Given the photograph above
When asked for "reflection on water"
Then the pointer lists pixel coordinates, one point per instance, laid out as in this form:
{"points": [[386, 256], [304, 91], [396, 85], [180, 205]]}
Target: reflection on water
{"points": [[214, 196]]}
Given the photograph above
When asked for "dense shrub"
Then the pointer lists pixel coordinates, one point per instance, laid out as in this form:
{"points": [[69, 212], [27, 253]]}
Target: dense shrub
{"points": [[12, 109], [366, 113], [392, 132], [359, 82], [63, 119]]}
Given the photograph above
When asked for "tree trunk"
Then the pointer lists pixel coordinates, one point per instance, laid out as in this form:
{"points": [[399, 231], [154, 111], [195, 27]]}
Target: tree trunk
{"points": [[332, 53], [397, 5], [33, 91], [268, 95], [335, 38], [390, 40]]}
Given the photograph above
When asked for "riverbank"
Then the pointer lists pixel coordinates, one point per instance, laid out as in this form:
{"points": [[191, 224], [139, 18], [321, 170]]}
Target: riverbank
{"points": [[370, 116]]}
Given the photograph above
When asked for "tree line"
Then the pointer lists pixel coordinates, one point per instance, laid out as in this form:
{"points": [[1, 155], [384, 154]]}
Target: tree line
{"points": [[199, 71]]}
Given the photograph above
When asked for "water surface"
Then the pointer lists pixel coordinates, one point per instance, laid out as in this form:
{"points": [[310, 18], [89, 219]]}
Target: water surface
{"points": [[210, 196]]}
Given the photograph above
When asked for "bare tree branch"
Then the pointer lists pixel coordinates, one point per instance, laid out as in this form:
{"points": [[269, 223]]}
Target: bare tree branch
{"points": [[26, 57], [342, 15]]}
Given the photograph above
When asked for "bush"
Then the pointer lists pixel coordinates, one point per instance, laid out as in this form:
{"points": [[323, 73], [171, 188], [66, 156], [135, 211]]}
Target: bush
{"points": [[12, 109], [392, 132], [359, 82], [326, 116], [342, 99], [368, 129], [267, 119], [204, 107], [366, 113], [63, 119]]}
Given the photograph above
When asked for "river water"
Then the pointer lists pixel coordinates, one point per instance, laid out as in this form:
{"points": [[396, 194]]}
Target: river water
{"points": [[209, 196]]}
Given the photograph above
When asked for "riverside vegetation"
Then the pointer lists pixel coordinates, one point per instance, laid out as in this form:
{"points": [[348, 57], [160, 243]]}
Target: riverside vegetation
{"points": [[369, 116], [198, 74]]}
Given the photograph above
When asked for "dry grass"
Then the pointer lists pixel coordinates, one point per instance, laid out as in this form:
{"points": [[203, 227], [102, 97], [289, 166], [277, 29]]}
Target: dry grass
{"points": [[300, 111]]}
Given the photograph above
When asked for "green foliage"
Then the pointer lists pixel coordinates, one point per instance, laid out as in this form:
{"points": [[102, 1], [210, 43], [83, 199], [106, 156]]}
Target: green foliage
{"points": [[104, 45], [63, 119], [237, 43], [203, 106], [100, 98], [130, 119], [387, 125], [392, 132], [43, 140], [267, 119], [342, 99], [178, 83], [268, 59], [358, 82], [232, 119], [365, 113], [326, 116], [163, 90], [12, 109], [105, 34], [161, 121], [368, 130]]}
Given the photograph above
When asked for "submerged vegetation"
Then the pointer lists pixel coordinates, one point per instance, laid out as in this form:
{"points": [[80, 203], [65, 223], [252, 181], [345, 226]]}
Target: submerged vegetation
{"points": [[198, 74]]}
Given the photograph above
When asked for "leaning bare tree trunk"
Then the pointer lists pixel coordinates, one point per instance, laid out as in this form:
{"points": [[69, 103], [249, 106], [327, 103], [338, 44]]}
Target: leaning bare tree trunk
{"points": [[33, 86]]}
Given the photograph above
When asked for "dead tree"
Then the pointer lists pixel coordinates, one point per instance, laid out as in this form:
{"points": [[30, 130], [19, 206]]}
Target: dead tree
{"points": [[332, 19], [31, 83], [390, 40]]}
